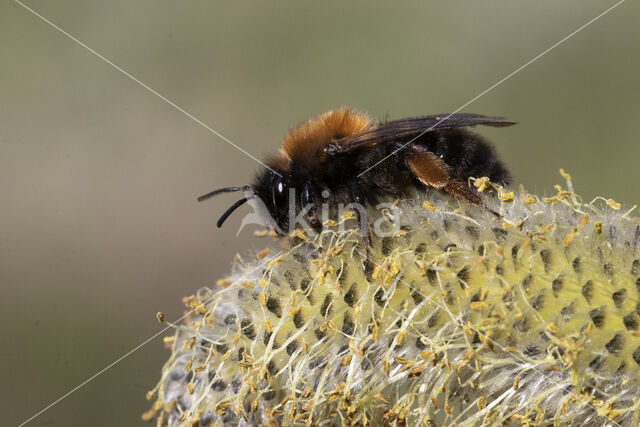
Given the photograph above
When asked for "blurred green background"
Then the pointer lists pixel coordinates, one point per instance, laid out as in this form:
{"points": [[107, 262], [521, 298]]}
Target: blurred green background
{"points": [[98, 177]]}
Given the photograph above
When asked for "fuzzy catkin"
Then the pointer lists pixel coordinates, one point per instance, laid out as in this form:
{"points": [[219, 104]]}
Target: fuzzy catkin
{"points": [[530, 318]]}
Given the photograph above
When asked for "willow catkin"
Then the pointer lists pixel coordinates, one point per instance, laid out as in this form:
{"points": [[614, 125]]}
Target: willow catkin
{"points": [[532, 317]]}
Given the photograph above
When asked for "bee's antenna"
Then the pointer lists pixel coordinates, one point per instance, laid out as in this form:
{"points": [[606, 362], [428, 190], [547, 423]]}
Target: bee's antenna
{"points": [[232, 208], [222, 190]]}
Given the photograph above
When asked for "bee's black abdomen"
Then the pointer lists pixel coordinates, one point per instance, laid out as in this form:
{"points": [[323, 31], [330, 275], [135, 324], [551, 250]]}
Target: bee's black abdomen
{"points": [[467, 154], [499, 173]]}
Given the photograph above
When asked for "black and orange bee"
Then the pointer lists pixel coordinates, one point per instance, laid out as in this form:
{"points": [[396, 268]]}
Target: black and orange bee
{"points": [[343, 157]]}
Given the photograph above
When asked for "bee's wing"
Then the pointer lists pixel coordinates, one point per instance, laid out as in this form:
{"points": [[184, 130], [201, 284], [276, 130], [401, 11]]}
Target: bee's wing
{"points": [[411, 127]]}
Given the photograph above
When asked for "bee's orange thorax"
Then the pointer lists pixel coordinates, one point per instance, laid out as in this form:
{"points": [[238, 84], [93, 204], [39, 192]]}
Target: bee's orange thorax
{"points": [[307, 141]]}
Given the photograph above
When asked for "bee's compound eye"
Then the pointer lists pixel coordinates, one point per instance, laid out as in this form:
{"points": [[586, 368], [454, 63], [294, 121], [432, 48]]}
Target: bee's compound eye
{"points": [[279, 191]]}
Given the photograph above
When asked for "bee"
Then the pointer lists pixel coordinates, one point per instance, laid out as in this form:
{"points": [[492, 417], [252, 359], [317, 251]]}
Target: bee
{"points": [[342, 156]]}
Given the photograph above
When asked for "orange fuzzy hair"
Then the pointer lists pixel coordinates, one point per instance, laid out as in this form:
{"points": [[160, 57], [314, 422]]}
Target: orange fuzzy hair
{"points": [[305, 142]]}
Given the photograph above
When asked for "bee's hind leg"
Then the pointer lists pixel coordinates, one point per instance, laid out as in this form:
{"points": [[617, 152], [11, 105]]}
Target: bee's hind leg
{"points": [[463, 191], [432, 171]]}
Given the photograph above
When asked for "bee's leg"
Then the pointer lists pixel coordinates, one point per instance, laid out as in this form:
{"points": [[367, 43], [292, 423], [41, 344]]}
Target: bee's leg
{"points": [[314, 221], [428, 168], [432, 171], [363, 224], [462, 191]]}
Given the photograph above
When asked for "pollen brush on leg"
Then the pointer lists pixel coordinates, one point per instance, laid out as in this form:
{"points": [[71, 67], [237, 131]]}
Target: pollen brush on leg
{"points": [[530, 318]]}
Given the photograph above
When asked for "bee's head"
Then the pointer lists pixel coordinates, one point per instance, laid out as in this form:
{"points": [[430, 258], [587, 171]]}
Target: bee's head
{"points": [[275, 189], [286, 195]]}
